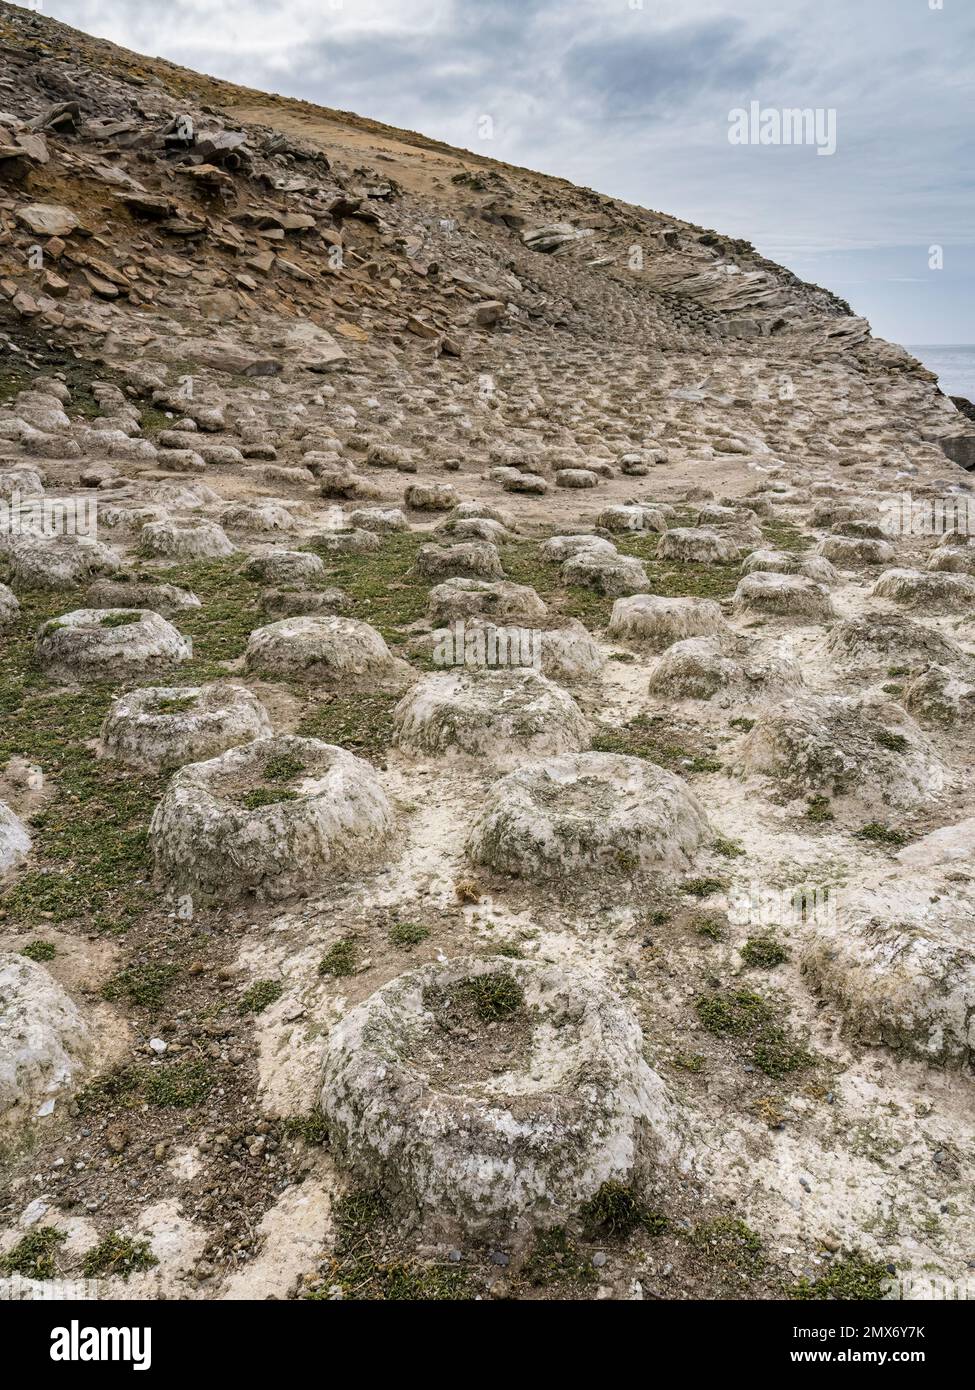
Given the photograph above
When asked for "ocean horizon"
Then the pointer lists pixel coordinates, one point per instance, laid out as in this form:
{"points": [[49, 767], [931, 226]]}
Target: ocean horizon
{"points": [[953, 363]]}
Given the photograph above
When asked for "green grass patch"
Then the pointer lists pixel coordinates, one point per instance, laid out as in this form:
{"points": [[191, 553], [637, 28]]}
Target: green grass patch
{"points": [[40, 950], [117, 1256], [731, 1242], [749, 1019], [379, 582], [407, 934], [35, 1256], [851, 1279], [144, 984], [646, 737], [363, 723], [494, 996], [616, 1211], [342, 959], [763, 953], [260, 996]]}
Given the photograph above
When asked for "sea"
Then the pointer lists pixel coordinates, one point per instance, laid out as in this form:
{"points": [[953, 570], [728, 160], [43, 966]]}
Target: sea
{"points": [[954, 364]]}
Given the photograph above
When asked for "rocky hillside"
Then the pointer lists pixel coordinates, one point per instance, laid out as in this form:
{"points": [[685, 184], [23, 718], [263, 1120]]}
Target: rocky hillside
{"points": [[487, 675]]}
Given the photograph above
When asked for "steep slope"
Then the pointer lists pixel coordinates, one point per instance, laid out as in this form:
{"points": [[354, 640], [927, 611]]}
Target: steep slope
{"points": [[636, 964]]}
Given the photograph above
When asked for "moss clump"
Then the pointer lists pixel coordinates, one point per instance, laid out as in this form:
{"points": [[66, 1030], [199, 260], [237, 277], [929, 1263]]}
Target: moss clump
{"points": [[709, 928], [407, 934], [896, 743], [363, 723], [494, 996], [266, 796], [181, 1084], [341, 959], [647, 736], [735, 1014], [703, 887], [141, 984], [852, 1278], [34, 1256], [283, 767], [778, 1054], [732, 1242], [261, 994], [396, 1281], [173, 704], [40, 950], [743, 1015], [120, 619], [728, 849], [763, 953], [878, 834], [310, 1128], [119, 1084], [556, 1259], [743, 725], [818, 810], [690, 1061], [117, 1255], [616, 1211], [365, 1267]]}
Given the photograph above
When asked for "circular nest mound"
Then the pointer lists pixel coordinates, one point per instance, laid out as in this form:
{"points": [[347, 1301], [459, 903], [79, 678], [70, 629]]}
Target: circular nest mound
{"points": [[606, 572], [466, 560], [783, 596], [276, 818], [286, 567], [936, 696], [696, 669], [855, 552], [15, 840], [935, 592], [899, 961], [109, 644], [662, 621], [499, 602], [327, 650], [503, 717], [167, 726], [44, 1041], [888, 639], [183, 540], [44, 562], [693, 545], [484, 1094], [588, 816], [788, 562], [863, 753], [9, 606]]}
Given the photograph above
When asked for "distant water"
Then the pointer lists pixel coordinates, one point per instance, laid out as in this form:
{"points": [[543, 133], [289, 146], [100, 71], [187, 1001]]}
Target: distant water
{"points": [[954, 364]]}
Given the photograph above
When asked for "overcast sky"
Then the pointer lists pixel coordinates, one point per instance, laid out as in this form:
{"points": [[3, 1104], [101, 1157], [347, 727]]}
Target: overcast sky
{"points": [[632, 97]]}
